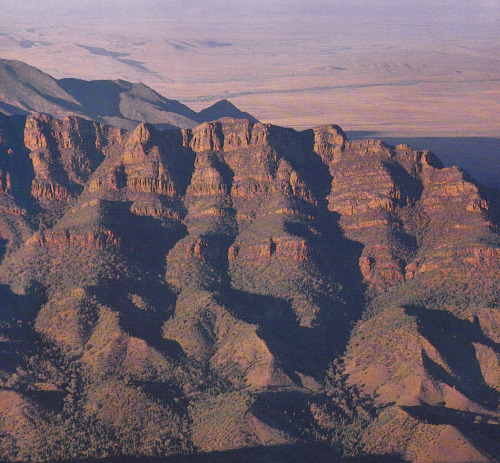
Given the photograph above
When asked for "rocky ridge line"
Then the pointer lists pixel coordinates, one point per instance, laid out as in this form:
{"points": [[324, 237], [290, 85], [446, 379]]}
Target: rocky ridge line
{"points": [[237, 264]]}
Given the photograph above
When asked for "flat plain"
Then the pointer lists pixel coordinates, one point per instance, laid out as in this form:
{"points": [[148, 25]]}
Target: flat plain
{"points": [[396, 68]]}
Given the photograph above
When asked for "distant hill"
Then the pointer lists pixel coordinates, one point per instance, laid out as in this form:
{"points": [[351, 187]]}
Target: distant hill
{"points": [[223, 108], [25, 89]]}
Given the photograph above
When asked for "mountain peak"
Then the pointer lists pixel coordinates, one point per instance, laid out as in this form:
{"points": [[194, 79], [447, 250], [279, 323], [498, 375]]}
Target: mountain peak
{"points": [[223, 108]]}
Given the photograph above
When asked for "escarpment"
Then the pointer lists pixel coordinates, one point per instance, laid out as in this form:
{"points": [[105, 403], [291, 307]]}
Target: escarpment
{"points": [[239, 285]]}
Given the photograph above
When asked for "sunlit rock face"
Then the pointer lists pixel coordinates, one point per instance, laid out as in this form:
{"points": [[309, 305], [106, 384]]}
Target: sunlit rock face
{"points": [[238, 285]]}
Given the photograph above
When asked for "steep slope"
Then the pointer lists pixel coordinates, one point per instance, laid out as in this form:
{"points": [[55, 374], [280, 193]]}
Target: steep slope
{"points": [[238, 285], [25, 89]]}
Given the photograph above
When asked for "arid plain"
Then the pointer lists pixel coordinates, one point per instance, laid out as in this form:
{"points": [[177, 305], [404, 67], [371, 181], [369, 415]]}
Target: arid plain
{"points": [[397, 68]]}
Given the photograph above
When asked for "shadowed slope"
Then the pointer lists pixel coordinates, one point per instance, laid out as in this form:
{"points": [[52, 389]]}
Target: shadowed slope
{"points": [[25, 89], [112, 101]]}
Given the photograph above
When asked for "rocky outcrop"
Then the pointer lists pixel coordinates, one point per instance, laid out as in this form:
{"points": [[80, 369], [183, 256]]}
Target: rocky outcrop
{"points": [[65, 153], [207, 179], [150, 162], [329, 142], [229, 134], [451, 186], [50, 191], [72, 133], [95, 239], [286, 249], [226, 135], [384, 194]]}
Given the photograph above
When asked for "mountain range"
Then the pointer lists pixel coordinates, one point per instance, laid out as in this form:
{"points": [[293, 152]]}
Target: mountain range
{"points": [[25, 89], [236, 291]]}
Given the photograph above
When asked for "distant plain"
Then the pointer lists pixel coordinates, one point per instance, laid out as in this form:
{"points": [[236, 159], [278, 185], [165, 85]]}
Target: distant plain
{"points": [[395, 68]]}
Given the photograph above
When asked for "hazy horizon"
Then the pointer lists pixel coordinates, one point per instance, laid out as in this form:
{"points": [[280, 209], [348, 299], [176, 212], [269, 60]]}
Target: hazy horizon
{"points": [[402, 68]]}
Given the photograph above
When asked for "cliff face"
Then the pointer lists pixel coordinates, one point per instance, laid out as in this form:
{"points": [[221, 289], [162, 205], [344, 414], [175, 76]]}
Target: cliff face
{"points": [[214, 280], [64, 154]]}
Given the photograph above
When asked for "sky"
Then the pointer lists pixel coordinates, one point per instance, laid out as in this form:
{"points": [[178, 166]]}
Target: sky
{"points": [[398, 67]]}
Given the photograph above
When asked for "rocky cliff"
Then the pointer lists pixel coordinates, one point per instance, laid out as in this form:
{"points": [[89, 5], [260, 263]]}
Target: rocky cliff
{"points": [[239, 285]]}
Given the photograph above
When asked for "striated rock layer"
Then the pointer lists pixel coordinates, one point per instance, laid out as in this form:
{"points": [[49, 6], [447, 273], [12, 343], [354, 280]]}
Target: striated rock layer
{"points": [[239, 286]]}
